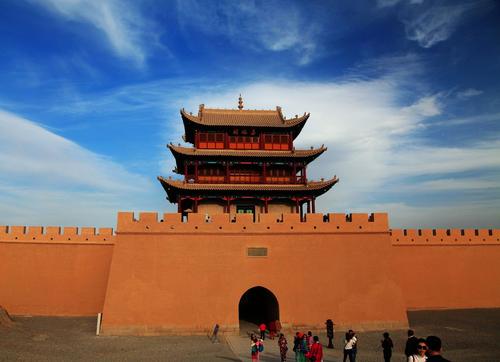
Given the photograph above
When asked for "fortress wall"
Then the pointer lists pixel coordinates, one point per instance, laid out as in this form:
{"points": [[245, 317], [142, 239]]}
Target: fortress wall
{"points": [[54, 271], [448, 268], [170, 276]]}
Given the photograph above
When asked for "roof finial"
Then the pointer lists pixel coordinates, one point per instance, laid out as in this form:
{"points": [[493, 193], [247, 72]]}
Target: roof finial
{"points": [[240, 103]]}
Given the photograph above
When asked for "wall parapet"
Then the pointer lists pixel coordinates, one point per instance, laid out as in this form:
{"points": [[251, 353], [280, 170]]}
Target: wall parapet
{"points": [[445, 236], [149, 222], [55, 234]]}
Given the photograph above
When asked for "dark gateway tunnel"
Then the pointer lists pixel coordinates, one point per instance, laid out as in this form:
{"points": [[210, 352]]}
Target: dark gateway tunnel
{"points": [[258, 305]]}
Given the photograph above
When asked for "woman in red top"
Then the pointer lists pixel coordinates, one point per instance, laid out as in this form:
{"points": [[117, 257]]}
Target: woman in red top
{"points": [[262, 329], [316, 352]]}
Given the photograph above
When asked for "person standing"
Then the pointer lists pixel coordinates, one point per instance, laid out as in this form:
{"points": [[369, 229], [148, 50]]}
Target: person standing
{"points": [[310, 340], [434, 349], [316, 352], [302, 349], [421, 351], [387, 346], [256, 347], [411, 344], [272, 329], [296, 345], [350, 346], [262, 329], [329, 332], [283, 345]]}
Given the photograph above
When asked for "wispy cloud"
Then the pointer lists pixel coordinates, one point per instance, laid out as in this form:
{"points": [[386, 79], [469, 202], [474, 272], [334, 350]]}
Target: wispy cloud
{"points": [[267, 25], [389, 3], [375, 146], [468, 93], [50, 179], [435, 24], [121, 23]]}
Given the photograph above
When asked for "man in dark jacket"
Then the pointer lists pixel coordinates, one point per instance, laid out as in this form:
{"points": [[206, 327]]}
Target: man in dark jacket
{"points": [[329, 332], [411, 343], [434, 351]]}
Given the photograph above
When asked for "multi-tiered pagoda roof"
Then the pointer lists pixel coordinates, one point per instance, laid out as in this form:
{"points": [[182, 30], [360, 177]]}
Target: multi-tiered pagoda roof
{"points": [[243, 160]]}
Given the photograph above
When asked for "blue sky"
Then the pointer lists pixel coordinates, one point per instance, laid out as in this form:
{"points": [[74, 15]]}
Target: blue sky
{"points": [[405, 95]]}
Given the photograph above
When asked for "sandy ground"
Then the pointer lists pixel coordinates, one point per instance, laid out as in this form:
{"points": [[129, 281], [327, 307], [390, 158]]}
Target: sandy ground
{"points": [[468, 335]]}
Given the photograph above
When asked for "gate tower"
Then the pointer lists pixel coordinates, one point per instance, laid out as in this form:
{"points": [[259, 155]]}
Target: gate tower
{"points": [[243, 161]]}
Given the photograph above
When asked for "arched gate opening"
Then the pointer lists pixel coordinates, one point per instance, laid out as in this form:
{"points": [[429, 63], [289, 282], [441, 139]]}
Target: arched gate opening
{"points": [[258, 305]]}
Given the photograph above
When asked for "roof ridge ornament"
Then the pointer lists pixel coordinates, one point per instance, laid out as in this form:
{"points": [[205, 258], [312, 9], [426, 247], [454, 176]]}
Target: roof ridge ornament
{"points": [[240, 103]]}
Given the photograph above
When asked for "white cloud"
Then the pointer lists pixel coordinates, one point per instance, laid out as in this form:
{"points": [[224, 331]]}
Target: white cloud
{"points": [[45, 178], [387, 3], [122, 24], [390, 3], [372, 143], [468, 93], [435, 24], [266, 26]]}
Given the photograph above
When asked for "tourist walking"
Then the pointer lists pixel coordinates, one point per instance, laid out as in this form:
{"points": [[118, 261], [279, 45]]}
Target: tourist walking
{"points": [[434, 350], [350, 346], [256, 347], [411, 344], [214, 337], [329, 332], [283, 345], [420, 355], [387, 346], [316, 352], [262, 329]]}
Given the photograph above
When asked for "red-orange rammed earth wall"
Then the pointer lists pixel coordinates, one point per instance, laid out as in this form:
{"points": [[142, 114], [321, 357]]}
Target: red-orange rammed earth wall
{"points": [[53, 273], [168, 276], [448, 268], [175, 277]]}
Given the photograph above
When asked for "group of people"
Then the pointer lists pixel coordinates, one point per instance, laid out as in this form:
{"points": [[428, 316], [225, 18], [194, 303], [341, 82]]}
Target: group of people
{"points": [[423, 349], [307, 347], [416, 349]]}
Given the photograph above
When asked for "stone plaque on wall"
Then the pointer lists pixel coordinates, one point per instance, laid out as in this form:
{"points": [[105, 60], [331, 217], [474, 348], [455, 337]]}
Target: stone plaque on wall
{"points": [[254, 251]]}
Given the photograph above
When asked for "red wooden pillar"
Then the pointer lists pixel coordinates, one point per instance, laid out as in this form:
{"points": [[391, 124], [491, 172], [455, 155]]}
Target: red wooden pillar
{"points": [[195, 204], [264, 172], [227, 207], [179, 202], [196, 139], [266, 204], [290, 140], [304, 175], [196, 171], [226, 140], [308, 206], [261, 141], [314, 205]]}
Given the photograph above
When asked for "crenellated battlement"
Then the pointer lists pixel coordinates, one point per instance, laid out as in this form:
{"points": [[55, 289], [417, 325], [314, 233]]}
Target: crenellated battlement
{"points": [[445, 236], [149, 222], [56, 234]]}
